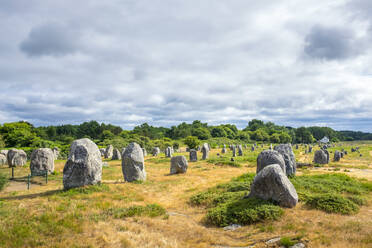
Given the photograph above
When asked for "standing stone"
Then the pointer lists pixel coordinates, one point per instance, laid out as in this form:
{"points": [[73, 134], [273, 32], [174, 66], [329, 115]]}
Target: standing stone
{"points": [[178, 165], [252, 148], [271, 183], [234, 151], [205, 151], [42, 159], [289, 158], [109, 151], [296, 146], [168, 152], [209, 146], [3, 160], [83, 166], [193, 155], [320, 157], [55, 151], [240, 150], [155, 151], [337, 156], [16, 157], [268, 157], [327, 153], [144, 152], [116, 155], [133, 164], [310, 149], [271, 146], [342, 154], [102, 151], [122, 151], [224, 146], [223, 150]]}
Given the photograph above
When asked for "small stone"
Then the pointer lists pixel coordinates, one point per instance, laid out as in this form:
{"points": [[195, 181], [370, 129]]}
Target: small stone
{"points": [[232, 227], [193, 155], [178, 165]]}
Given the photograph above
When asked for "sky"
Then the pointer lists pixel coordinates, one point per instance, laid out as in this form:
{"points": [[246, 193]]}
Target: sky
{"points": [[126, 62]]}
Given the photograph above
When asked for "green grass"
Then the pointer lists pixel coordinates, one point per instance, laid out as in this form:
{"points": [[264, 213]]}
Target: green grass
{"points": [[85, 190], [3, 181], [150, 210], [224, 161], [332, 203]]}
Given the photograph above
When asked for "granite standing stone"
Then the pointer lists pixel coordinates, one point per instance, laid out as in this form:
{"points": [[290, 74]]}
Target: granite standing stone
{"points": [[133, 164], [205, 151], [155, 151], [268, 157], [109, 151], [116, 155], [337, 156], [193, 155], [83, 166], [42, 159], [320, 157], [289, 158], [178, 165], [16, 157]]}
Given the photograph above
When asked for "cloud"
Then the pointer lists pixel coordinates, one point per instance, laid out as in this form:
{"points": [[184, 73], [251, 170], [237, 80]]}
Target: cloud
{"points": [[165, 62], [50, 40]]}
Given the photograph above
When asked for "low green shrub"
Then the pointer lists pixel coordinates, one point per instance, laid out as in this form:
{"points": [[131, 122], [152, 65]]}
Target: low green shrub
{"points": [[243, 211], [332, 203], [3, 181], [150, 210]]}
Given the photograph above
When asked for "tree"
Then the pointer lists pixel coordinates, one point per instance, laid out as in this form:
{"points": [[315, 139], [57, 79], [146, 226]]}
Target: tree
{"points": [[201, 132], [275, 138], [303, 135], [192, 142], [218, 132], [285, 138]]}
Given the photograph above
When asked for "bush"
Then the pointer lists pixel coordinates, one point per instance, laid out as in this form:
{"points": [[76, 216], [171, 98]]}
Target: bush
{"points": [[332, 203], [3, 181], [243, 211], [150, 210]]}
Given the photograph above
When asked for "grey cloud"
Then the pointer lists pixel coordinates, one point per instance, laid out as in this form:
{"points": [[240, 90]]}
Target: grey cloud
{"points": [[50, 39], [331, 43]]}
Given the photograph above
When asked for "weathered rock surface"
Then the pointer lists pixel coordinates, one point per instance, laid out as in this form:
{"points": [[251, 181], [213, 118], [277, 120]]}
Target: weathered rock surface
{"points": [[3, 160], [240, 150], [144, 152], [178, 165], [168, 152], [205, 151], [133, 164], [223, 150], [102, 151], [193, 155], [116, 155], [268, 157], [16, 157], [83, 166], [271, 183], [320, 157], [55, 151], [289, 158], [42, 159], [155, 151], [337, 156], [109, 151]]}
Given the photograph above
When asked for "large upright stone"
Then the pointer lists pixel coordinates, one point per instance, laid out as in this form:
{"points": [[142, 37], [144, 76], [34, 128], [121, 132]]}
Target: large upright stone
{"points": [[155, 151], [83, 166], [116, 155], [252, 148], [289, 158], [271, 183], [193, 155], [122, 151], [168, 152], [144, 152], [240, 150], [16, 157], [109, 151], [102, 151], [42, 159], [223, 150], [327, 153], [55, 151], [205, 151], [337, 156], [320, 157], [3, 160], [234, 151], [133, 164], [178, 165], [268, 157]]}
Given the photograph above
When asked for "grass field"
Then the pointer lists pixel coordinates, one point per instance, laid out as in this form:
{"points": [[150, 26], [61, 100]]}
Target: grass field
{"points": [[160, 212]]}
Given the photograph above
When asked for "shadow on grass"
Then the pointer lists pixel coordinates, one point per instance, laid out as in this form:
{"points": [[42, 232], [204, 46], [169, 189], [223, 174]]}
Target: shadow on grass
{"points": [[32, 196]]}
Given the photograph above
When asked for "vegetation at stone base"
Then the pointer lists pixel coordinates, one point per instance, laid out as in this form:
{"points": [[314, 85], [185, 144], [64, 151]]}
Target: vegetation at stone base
{"points": [[3, 181], [332, 193], [150, 210]]}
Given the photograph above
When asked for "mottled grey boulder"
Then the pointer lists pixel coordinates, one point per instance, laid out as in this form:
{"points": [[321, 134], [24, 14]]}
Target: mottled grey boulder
{"points": [[268, 157], [4, 152], [320, 157], [42, 159], [83, 166], [168, 152], [102, 151], [133, 164], [178, 165], [337, 156], [223, 150], [155, 151], [240, 150], [327, 153], [109, 151], [193, 155], [55, 151], [289, 158], [205, 151], [144, 152], [16, 157], [271, 183], [234, 151], [116, 155], [122, 151], [3, 160]]}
